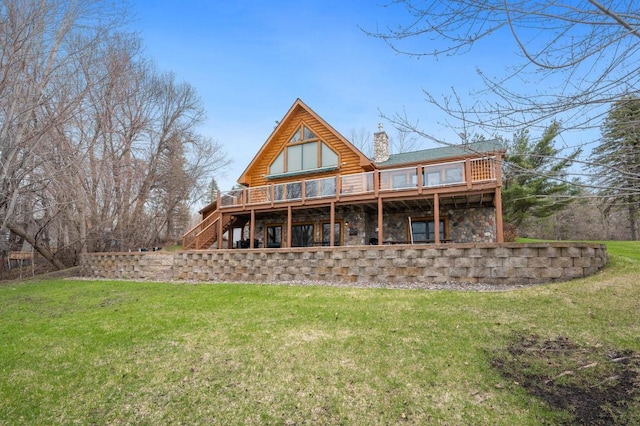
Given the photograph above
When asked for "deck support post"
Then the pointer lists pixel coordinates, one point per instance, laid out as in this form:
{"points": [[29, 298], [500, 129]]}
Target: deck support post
{"points": [[436, 218], [252, 228], [380, 221], [498, 209], [289, 215], [332, 220]]}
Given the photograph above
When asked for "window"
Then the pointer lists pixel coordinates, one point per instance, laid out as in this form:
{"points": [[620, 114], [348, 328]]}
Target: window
{"points": [[278, 164], [326, 233], [302, 235], [273, 236], [329, 158], [423, 230], [307, 134], [302, 157], [304, 151]]}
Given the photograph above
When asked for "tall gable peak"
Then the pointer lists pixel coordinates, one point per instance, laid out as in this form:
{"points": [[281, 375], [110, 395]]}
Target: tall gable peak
{"points": [[302, 142]]}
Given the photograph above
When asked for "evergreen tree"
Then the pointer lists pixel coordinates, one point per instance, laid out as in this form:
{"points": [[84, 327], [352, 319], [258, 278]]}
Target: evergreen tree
{"points": [[535, 177], [617, 159], [213, 190]]}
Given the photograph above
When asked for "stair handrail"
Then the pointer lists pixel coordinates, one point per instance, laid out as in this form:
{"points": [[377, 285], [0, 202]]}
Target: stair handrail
{"points": [[192, 234]]}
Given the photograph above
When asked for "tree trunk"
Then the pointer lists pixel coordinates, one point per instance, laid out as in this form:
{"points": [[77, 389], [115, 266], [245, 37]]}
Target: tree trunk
{"points": [[38, 246], [633, 214]]}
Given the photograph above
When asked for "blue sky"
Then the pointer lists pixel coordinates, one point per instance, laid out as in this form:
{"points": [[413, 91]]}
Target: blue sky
{"points": [[250, 60]]}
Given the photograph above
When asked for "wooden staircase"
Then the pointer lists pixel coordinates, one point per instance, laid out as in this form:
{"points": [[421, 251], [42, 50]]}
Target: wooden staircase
{"points": [[203, 235]]}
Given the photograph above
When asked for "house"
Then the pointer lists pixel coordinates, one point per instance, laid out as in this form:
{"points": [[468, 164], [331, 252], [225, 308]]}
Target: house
{"points": [[309, 186]]}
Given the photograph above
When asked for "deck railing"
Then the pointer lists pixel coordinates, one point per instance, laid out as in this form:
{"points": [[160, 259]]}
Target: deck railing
{"points": [[357, 184], [405, 178], [483, 169], [320, 188], [398, 179], [207, 225]]}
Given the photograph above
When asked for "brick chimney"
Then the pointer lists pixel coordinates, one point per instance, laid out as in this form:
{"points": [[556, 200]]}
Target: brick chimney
{"points": [[380, 145]]}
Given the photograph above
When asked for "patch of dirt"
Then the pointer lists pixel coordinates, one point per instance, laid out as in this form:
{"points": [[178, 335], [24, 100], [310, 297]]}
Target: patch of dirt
{"points": [[594, 384]]}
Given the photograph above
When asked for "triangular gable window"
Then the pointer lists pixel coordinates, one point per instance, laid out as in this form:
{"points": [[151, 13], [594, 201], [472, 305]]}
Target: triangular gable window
{"points": [[295, 138], [307, 134], [302, 134], [304, 151]]}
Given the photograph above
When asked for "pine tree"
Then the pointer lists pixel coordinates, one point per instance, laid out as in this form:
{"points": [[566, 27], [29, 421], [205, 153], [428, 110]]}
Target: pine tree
{"points": [[617, 159], [213, 190], [535, 178]]}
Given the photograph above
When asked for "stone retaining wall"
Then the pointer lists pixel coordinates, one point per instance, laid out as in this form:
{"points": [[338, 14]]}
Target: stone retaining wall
{"points": [[491, 263]]}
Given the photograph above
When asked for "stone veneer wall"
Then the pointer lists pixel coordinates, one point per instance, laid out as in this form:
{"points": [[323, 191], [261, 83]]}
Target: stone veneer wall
{"points": [[476, 224], [465, 225], [510, 263]]}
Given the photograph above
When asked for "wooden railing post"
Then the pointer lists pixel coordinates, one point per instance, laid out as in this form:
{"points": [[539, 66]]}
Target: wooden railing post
{"points": [[272, 190], [303, 190], [220, 231], [497, 166], [376, 182]]}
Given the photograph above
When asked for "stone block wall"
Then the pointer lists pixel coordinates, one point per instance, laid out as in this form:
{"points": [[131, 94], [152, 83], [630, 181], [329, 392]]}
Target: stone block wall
{"points": [[128, 265], [490, 263]]}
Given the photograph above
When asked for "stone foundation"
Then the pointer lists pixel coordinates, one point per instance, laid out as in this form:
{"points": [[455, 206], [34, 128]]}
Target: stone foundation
{"points": [[490, 263], [468, 225]]}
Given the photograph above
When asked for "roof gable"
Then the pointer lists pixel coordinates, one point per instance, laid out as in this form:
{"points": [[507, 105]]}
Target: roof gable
{"points": [[298, 115]]}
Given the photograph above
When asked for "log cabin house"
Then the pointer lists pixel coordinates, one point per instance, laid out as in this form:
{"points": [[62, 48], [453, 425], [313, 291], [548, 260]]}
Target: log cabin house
{"points": [[309, 186]]}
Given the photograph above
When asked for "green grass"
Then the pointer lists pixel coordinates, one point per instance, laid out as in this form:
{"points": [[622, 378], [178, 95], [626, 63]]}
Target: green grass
{"points": [[628, 249], [115, 352]]}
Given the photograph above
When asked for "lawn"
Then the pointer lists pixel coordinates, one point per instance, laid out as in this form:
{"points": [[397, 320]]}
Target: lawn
{"points": [[116, 352]]}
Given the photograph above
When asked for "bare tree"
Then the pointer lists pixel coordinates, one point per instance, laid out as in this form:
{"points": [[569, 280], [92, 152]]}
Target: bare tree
{"points": [[585, 220], [40, 43], [361, 139], [145, 161], [98, 150], [576, 57], [403, 141]]}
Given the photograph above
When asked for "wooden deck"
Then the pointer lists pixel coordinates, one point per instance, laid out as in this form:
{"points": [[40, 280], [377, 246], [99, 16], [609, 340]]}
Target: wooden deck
{"points": [[471, 175], [474, 177]]}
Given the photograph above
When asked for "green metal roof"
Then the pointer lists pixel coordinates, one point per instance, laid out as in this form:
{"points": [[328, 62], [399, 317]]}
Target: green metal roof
{"points": [[450, 151]]}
